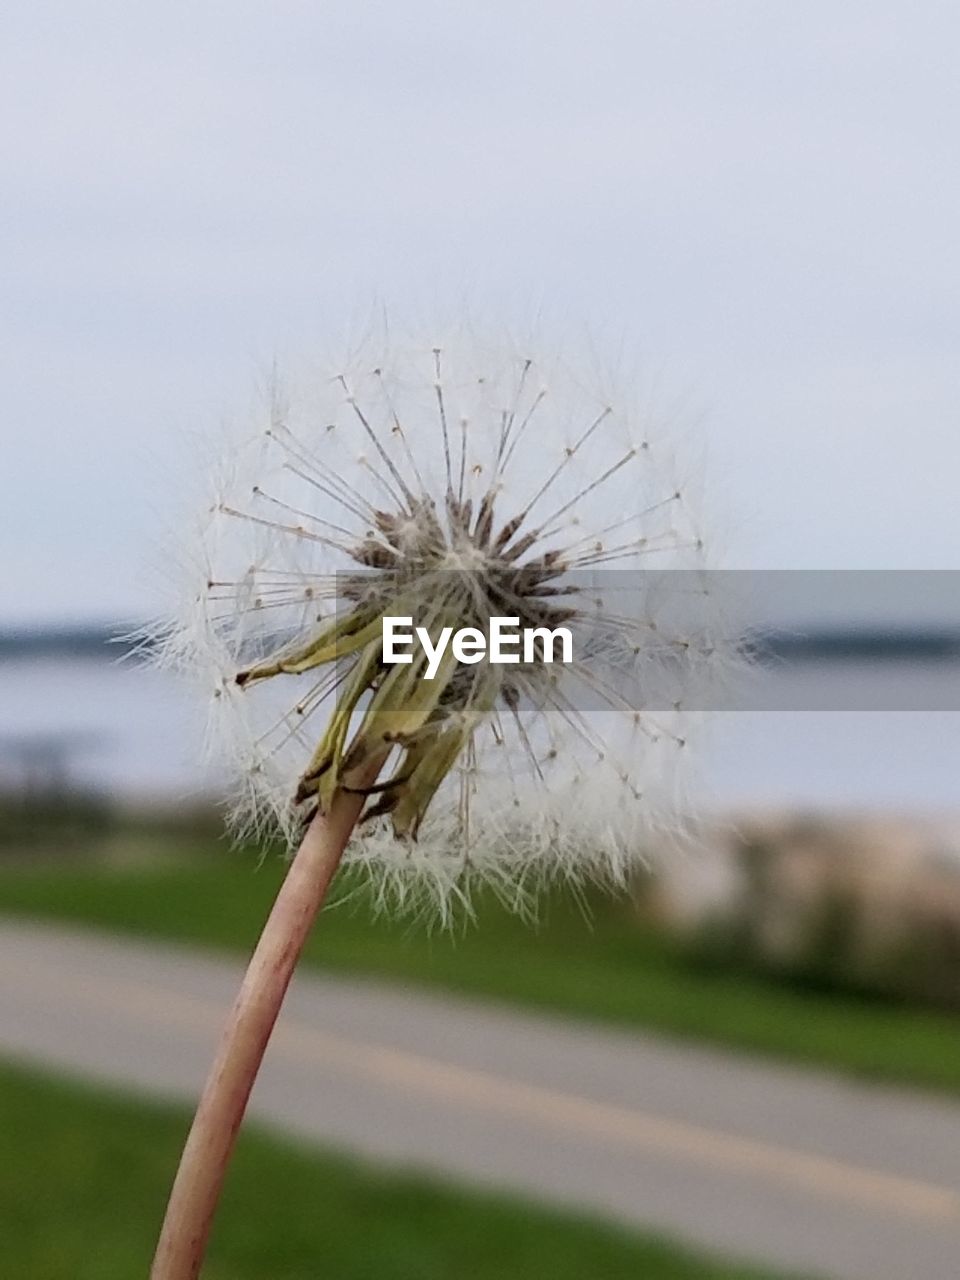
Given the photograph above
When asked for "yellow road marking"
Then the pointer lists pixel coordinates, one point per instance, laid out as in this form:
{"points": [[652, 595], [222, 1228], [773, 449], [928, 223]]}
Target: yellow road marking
{"points": [[549, 1108]]}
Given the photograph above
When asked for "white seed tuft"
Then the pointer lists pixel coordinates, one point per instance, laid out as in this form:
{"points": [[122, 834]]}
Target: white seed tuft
{"points": [[356, 490]]}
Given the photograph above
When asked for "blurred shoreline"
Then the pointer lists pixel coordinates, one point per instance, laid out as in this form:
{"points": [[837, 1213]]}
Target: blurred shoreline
{"points": [[80, 720]]}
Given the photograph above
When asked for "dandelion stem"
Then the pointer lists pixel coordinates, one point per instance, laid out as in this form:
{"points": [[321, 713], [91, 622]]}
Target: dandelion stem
{"points": [[203, 1165]]}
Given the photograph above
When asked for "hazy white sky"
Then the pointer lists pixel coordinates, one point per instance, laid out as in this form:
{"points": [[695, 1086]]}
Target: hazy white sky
{"points": [[763, 198]]}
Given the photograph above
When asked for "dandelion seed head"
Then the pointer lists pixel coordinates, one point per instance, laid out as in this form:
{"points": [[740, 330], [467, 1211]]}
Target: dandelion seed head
{"points": [[452, 481]]}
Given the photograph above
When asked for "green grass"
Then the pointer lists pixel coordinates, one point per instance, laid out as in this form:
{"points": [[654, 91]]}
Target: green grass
{"points": [[85, 1175], [608, 966]]}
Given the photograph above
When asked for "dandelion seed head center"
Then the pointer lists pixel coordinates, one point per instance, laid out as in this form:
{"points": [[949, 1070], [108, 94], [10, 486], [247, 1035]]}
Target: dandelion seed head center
{"points": [[463, 570], [466, 557]]}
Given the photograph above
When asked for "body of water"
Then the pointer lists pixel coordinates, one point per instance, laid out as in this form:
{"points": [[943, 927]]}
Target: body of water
{"points": [[134, 732]]}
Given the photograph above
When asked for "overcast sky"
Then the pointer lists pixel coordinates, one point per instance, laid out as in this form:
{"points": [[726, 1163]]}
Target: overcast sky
{"points": [[762, 198]]}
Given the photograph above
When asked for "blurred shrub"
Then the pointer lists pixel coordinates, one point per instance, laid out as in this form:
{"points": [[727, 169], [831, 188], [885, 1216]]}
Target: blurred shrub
{"points": [[28, 822], [84, 824], [864, 907]]}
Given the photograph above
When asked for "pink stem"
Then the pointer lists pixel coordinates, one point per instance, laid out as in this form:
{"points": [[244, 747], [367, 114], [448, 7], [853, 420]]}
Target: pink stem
{"points": [[203, 1165]]}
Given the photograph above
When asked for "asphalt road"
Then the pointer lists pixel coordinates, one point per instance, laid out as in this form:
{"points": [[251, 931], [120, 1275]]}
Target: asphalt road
{"points": [[766, 1163]]}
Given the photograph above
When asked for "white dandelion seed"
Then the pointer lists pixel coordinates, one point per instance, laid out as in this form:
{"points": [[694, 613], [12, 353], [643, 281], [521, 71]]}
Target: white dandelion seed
{"points": [[455, 480]]}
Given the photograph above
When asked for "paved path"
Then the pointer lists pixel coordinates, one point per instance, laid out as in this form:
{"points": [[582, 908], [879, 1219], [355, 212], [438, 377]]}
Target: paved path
{"points": [[763, 1162]]}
